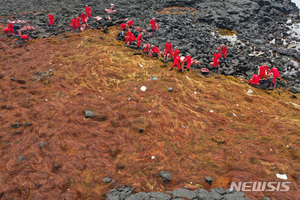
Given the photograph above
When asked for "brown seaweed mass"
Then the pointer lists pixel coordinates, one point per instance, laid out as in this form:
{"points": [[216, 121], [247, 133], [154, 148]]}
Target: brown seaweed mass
{"points": [[206, 127]]}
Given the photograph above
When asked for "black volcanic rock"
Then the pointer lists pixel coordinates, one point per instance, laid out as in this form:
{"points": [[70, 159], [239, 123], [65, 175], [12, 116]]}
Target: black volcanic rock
{"points": [[165, 176]]}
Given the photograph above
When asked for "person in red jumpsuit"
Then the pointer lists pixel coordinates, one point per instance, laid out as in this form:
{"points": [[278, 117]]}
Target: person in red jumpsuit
{"points": [[188, 60], [5, 30], [83, 18], [51, 20], [155, 51], [74, 24], [224, 52], [168, 50], [11, 28], [146, 48], [216, 62], [138, 40], [220, 49], [132, 37], [128, 37], [176, 62], [262, 71], [274, 71], [88, 11], [78, 23], [254, 80], [152, 23], [123, 26], [130, 23], [25, 37], [176, 53]]}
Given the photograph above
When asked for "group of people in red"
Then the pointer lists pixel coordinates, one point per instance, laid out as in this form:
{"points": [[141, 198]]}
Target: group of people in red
{"points": [[222, 51], [85, 16], [130, 37], [14, 29], [152, 50], [263, 75], [178, 60]]}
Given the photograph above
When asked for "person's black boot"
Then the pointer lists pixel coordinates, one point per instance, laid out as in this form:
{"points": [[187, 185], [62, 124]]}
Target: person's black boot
{"points": [[171, 69]]}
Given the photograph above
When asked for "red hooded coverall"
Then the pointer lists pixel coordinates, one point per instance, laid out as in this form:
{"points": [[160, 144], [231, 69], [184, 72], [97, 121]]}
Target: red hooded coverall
{"points": [[123, 26], [152, 23], [188, 61], [88, 11], [176, 62], [254, 80], [138, 39], [74, 24], [146, 50], [51, 20], [216, 59], [168, 49], [130, 23], [10, 28], [275, 74], [224, 51], [83, 18]]}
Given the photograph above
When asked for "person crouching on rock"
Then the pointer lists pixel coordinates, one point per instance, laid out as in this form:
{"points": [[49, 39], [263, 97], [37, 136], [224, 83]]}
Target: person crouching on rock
{"points": [[262, 71], [168, 51], [154, 51], [146, 48], [123, 26], [120, 35], [275, 73], [176, 62], [25, 37], [138, 40], [254, 81], [188, 60], [5, 30], [11, 28], [130, 24]]}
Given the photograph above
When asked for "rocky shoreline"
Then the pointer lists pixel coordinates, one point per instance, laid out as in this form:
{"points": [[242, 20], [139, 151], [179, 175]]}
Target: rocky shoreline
{"points": [[125, 193], [263, 34], [192, 26]]}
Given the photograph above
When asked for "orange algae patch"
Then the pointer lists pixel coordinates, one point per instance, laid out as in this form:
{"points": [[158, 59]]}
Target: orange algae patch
{"points": [[227, 32], [177, 10], [180, 131]]}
